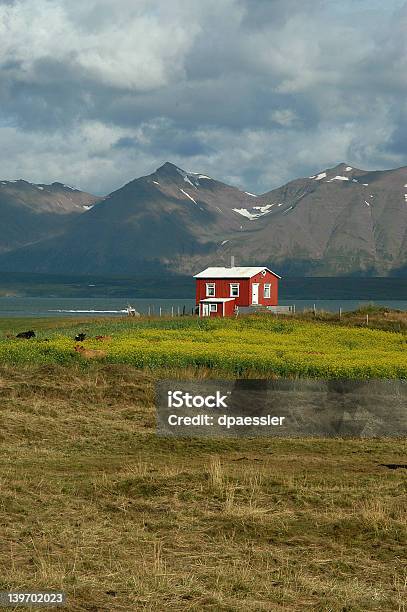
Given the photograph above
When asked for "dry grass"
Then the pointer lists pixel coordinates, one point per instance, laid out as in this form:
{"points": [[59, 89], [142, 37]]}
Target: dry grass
{"points": [[94, 503], [378, 318]]}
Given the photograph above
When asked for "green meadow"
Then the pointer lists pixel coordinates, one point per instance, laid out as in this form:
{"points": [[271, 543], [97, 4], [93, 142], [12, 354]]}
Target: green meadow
{"points": [[259, 345]]}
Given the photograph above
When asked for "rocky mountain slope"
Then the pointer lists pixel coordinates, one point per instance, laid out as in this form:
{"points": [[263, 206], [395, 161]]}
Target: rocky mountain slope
{"points": [[341, 221], [161, 220], [30, 212]]}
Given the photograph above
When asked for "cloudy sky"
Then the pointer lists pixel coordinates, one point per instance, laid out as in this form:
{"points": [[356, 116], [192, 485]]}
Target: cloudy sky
{"points": [[253, 92]]}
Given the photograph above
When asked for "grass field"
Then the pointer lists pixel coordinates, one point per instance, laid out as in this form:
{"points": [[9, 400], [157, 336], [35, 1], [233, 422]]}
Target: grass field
{"points": [[251, 346], [92, 502]]}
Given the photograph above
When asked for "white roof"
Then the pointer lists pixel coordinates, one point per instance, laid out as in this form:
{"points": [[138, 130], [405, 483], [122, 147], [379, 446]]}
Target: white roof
{"points": [[212, 300], [235, 272]]}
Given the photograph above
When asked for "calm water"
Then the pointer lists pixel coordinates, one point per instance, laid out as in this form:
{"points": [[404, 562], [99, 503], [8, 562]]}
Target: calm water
{"points": [[106, 307], [92, 307]]}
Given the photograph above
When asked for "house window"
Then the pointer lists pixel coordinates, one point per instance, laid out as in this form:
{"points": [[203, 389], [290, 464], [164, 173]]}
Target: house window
{"points": [[267, 291], [213, 308], [234, 290], [210, 289]]}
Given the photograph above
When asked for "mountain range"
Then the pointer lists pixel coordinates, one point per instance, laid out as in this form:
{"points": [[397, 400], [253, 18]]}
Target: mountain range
{"points": [[29, 212], [340, 221]]}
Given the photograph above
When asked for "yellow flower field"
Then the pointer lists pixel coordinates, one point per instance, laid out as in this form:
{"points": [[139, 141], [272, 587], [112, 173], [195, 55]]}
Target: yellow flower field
{"points": [[257, 345]]}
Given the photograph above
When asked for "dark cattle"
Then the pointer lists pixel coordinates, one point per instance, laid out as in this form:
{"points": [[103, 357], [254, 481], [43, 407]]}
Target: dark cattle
{"points": [[27, 335], [80, 337]]}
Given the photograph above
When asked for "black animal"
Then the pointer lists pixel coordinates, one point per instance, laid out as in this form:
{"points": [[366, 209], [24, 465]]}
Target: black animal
{"points": [[27, 335], [80, 337]]}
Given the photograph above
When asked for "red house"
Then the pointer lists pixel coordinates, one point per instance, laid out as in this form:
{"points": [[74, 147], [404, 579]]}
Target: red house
{"points": [[220, 290]]}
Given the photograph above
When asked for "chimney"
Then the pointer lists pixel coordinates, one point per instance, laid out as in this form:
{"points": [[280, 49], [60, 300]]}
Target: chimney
{"points": [[232, 261]]}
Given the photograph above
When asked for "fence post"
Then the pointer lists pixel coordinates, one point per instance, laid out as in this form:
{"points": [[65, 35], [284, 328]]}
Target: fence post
{"points": [[178, 311], [367, 319], [183, 310], [160, 311], [340, 312], [315, 310], [149, 310], [172, 311]]}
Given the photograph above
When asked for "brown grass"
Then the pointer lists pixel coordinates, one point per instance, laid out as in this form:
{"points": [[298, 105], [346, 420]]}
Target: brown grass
{"points": [[92, 502], [90, 353], [379, 318]]}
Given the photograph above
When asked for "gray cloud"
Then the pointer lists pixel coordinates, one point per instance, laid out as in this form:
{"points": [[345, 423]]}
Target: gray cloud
{"points": [[255, 92]]}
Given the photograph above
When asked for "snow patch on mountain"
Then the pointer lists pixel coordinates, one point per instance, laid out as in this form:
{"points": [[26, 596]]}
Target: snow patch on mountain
{"points": [[348, 168], [251, 194], [191, 198], [189, 178], [246, 213], [260, 211], [188, 196], [338, 178], [263, 209], [320, 176], [201, 176]]}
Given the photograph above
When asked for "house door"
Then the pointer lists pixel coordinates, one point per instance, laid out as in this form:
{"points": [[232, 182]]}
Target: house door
{"points": [[204, 310], [255, 293]]}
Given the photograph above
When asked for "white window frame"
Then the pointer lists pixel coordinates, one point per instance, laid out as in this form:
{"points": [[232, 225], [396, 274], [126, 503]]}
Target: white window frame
{"points": [[232, 285], [267, 289], [213, 308], [210, 287]]}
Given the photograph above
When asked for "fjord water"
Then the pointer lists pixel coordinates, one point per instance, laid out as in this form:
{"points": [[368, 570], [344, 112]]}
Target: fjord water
{"points": [[92, 307], [110, 307], [52, 296]]}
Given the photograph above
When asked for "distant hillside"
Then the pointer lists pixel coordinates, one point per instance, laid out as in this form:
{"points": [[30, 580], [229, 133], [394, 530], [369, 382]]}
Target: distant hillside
{"points": [[154, 222], [341, 221], [30, 212]]}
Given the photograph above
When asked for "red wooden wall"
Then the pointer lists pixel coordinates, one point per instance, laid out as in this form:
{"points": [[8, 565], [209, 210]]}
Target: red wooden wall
{"points": [[222, 289]]}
